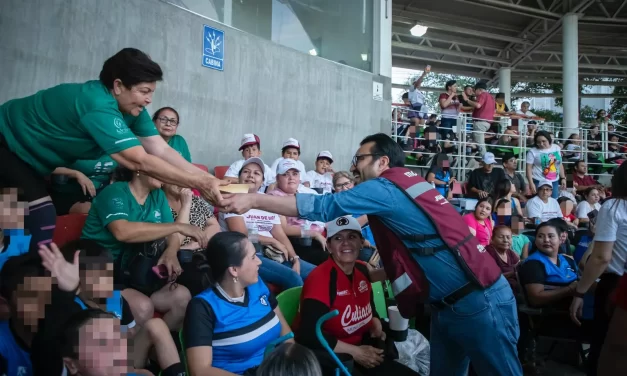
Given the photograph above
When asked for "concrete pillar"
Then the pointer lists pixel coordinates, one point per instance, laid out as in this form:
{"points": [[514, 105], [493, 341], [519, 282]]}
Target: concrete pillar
{"points": [[570, 73], [382, 51], [505, 84]]}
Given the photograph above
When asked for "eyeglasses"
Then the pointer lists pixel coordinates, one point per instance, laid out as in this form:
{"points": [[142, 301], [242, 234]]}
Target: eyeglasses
{"points": [[360, 157], [167, 121], [342, 186]]}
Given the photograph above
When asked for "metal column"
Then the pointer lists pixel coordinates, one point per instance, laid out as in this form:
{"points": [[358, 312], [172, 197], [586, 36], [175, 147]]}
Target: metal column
{"points": [[505, 84], [570, 73]]}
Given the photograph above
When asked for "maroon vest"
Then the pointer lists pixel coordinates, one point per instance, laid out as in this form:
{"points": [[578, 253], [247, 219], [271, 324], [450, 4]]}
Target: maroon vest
{"points": [[409, 284]]}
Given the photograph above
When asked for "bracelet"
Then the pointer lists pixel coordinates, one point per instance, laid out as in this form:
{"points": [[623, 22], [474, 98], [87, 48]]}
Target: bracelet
{"points": [[294, 258]]}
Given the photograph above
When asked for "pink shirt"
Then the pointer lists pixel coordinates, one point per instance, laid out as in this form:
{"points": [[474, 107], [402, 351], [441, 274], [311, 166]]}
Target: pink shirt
{"points": [[486, 112], [483, 231]]}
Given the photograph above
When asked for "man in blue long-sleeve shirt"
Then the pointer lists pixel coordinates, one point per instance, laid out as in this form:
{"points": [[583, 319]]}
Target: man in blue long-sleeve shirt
{"points": [[481, 327]]}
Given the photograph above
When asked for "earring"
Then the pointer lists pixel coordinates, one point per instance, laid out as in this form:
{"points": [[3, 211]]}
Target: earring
{"points": [[137, 173], [235, 280]]}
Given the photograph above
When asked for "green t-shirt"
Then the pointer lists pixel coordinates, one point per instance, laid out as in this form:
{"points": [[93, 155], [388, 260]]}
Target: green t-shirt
{"points": [[117, 202], [57, 126], [179, 144], [97, 170], [518, 243]]}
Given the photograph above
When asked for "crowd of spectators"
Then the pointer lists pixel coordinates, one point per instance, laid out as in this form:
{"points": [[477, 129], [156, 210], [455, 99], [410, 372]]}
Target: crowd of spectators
{"points": [[155, 259]]}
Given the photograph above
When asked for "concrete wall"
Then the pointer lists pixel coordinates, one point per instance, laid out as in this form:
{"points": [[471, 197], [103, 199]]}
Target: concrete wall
{"points": [[265, 88]]}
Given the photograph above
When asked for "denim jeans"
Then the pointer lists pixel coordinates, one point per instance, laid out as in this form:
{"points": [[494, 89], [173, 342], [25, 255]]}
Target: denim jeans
{"points": [[481, 328], [282, 274], [556, 188]]}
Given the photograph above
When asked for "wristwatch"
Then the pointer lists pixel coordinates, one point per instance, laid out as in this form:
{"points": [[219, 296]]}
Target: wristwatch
{"points": [[294, 258]]}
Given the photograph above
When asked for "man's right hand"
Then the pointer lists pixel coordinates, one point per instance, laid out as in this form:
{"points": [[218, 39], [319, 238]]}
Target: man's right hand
{"points": [[368, 356], [209, 187]]}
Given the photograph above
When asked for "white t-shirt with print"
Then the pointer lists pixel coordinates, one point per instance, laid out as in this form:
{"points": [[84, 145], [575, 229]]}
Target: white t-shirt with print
{"points": [[269, 176], [611, 226], [254, 218], [583, 208], [546, 163], [536, 208], [316, 180]]}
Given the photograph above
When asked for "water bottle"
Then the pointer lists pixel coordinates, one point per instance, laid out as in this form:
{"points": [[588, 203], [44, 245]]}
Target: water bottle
{"points": [[253, 236], [537, 221], [305, 235], [433, 184]]}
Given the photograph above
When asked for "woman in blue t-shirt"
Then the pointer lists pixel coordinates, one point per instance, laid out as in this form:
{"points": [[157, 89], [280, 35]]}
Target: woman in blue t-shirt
{"points": [[229, 325], [440, 176]]}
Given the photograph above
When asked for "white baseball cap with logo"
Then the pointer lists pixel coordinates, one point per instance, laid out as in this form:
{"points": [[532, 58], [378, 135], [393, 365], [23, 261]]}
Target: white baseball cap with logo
{"points": [[257, 161], [325, 154], [249, 139], [544, 182], [285, 165], [342, 223], [488, 158], [291, 143]]}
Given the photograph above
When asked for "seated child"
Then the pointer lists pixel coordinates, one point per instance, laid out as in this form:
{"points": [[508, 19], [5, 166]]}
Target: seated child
{"points": [[322, 176]]}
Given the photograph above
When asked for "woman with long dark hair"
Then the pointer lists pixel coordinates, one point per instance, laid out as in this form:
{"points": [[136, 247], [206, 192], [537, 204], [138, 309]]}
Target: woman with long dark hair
{"points": [[228, 326], [607, 262]]}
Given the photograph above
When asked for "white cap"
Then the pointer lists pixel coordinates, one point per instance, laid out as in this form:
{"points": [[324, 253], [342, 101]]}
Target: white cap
{"points": [[256, 161], [249, 139], [325, 154], [342, 223], [544, 182], [291, 142], [286, 164], [488, 158]]}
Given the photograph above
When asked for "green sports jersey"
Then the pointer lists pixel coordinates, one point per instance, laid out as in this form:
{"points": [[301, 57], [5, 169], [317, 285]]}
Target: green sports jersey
{"points": [[116, 202], [179, 144], [97, 170], [57, 126]]}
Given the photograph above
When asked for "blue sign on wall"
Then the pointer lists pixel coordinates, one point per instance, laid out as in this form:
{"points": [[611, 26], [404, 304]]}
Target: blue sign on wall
{"points": [[213, 48]]}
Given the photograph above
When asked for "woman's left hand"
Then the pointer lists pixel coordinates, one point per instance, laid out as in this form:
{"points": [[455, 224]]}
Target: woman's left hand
{"points": [[376, 330], [576, 310], [171, 262]]}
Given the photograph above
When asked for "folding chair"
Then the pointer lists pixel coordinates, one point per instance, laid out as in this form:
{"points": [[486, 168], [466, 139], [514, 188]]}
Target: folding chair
{"points": [[68, 228], [289, 303]]}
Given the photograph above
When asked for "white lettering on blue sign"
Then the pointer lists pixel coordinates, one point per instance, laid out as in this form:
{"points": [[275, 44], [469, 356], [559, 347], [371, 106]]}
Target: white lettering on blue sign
{"points": [[213, 48]]}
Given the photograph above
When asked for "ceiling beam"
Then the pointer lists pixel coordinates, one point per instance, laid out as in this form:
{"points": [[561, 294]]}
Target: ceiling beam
{"points": [[404, 32], [608, 21], [430, 60], [559, 81], [444, 51], [554, 64], [515, 8], [468, 31], [409, 64], [559, 73]]}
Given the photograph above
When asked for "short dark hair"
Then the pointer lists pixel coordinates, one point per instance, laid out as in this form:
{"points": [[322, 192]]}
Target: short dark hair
{"points": [[500, 228], [384, 145], [16, 269], [92, 255], [548, 224], [488, 199], [579, 161], [559, 223], [449, 83], [468, 86], [225, 249], [405, 96], [122, 173], [68, 338], [158, 112], [481, 85], [499, 96], [544, 134], [507, 156], [132, 67], [289, 147], [619, 183]]}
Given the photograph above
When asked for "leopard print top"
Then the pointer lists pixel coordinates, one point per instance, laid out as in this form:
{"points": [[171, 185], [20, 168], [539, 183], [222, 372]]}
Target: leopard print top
{"points": [[199, 213]]}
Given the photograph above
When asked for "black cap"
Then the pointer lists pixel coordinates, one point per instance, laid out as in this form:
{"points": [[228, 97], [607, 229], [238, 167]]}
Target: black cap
{"points": [[481, 85]]}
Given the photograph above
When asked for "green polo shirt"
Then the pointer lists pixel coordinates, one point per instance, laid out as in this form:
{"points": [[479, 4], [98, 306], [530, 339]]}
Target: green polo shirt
{"points": [[57, 126], [179, 144], [97, 170], [116, 202]]}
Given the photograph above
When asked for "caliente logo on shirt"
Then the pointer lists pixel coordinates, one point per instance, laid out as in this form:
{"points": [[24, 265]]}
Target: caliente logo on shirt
{"points": [[355, 318]]}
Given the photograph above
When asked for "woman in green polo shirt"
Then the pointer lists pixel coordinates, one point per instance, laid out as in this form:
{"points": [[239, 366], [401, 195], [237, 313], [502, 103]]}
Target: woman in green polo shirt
{"points": [[73, 188], [57, 126], [129, 216], [166, 121]]}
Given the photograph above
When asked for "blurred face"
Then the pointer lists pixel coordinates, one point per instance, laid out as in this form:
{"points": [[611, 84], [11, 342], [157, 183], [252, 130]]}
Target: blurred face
{"points": [[582, 168], [483, 210], [548, 240], [613, 139], [611, 128], [97, 283], [366, 165], [545, 192], [575, 139], [452, 89], [31, 298], [542, 142], [406, 101], [524, 107], [488, 167], [343, 184], [469, 91], [593, 197], [166, 123], [248, 273], [517, 225], [12, 211], [345, 246], [510, 164], [252, 174], [594, 130], [289, 181], [291, 153], [102, 349], [500, 100], [135, 99], [322, 164], [251, 151], [567, 207], [502, 239], [504, 210], [602, 114]]}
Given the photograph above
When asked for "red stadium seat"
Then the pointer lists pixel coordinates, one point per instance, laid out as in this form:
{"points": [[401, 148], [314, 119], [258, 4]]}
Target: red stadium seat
{"points": [[201, 166], [219, 171], [275, 289], [68, 228], [457, 189]]}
